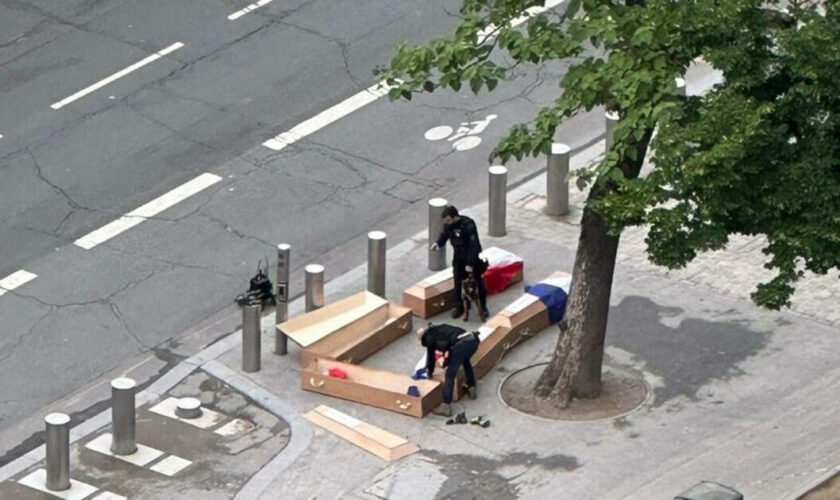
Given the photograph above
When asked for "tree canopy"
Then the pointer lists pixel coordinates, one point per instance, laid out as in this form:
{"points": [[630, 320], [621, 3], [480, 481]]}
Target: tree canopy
{"points": [[756, 155]]}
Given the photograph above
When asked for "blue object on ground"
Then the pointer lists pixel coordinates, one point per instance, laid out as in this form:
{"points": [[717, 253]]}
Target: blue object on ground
{"points": [[553, 297]]}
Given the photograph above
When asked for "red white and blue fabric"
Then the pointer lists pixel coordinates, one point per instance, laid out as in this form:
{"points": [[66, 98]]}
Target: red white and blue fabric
{"points": [[503, 267], [553, 292]]}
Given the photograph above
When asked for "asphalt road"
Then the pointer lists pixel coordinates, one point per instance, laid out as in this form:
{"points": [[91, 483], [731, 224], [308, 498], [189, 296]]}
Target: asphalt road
{"points": [[69, 166]]}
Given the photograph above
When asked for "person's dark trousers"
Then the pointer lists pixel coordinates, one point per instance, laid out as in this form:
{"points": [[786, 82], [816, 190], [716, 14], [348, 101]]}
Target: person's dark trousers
{"points": [[459, 272], [459, 355]]}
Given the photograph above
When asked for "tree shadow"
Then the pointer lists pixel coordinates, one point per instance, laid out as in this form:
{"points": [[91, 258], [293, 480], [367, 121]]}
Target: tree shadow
{"points": [[687, 356]]}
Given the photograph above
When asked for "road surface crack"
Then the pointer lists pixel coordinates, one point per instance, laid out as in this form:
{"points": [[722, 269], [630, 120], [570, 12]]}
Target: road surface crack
{"points": [[343, 48], [74, 206], [239, 234], [115, 309], [10, 349]]}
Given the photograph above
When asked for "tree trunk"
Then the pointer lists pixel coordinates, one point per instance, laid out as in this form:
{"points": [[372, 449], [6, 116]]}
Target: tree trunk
{"points": [[575, 368]]}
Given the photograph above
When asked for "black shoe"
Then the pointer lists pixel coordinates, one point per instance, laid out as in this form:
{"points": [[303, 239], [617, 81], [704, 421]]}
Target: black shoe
{"points": [[458, 312], [481, 422]]}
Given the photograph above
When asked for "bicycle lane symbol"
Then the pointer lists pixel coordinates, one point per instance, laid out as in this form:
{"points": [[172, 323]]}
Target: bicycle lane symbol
{"points": [[465, 138]]}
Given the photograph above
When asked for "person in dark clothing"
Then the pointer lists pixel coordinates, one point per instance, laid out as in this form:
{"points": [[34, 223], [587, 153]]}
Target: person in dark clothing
{"points": [[460, 345], [460, 230]]}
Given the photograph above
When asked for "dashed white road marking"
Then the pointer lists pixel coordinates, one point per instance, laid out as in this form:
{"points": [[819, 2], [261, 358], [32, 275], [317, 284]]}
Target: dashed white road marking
{"points": [[327, 117], [253, 6], [147, 211], [117, 75], [363, 98], [15, 280], [533, 11]]}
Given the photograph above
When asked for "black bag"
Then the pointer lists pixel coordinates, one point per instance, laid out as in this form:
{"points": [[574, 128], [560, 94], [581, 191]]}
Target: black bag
{"points": [[260, 289]]}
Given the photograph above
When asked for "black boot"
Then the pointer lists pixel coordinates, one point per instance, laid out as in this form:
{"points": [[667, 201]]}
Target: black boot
{"points": [[458, 312]]}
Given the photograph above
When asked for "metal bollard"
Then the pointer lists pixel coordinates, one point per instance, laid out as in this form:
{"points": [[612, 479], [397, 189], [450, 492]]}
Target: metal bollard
{"points": [[314, 287], [251, 337], [612, 120], [681, 87], [281, 309], [497, 200], [437, 258], [123, 419], [58, 451], [557, 180], [376, 262]]}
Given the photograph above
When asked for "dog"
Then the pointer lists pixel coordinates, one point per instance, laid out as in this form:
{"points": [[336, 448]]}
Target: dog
{"points": [[469, 294]]}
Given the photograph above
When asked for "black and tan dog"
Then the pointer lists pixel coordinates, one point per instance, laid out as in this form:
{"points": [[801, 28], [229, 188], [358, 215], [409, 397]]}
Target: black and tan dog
{"points": [[469, 294]]}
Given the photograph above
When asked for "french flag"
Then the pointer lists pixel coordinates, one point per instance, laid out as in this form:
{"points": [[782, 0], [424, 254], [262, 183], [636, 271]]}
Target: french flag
{"points": [[553, 292], [504, 267]]}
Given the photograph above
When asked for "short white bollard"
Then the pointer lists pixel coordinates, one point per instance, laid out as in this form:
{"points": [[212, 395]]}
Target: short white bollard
{"points": [[437, 258], [314, 287], [377, 245], [557, 180], [497, 201], [123, 418], [281, 297], [58, 451], [251, 345], [188, 408], [611, 118]]}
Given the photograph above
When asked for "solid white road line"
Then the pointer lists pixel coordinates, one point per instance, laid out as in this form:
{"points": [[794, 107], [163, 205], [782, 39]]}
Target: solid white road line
{"points": [[253, 6], [327, 117], [529, 13], [362, 99], [117, 75], [147, 211], [15, 280]]}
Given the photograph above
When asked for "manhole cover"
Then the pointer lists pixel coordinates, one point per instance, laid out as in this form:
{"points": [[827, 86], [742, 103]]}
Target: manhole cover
{"points": [[622, 392]]}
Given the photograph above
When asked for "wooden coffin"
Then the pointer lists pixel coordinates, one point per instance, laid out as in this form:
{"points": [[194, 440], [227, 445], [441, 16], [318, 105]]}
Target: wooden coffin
{"points": [[524, 317], [495, 342], [360, 311], [358, 340], [432, 295], [380, 442], [376, 388]]}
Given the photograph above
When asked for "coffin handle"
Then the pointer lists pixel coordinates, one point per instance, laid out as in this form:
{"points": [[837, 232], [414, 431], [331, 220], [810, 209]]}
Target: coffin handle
{"points": [[315, 383], [404, 406]]}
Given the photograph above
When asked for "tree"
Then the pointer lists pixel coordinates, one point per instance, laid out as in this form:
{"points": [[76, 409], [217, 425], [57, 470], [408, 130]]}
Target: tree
{"points": [[741, 159]]}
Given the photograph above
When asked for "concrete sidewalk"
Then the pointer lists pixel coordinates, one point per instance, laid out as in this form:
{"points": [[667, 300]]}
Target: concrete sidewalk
{"points": [[739, 395]]}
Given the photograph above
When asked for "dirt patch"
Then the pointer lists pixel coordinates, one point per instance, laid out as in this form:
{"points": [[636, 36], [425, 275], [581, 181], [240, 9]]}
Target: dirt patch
{"points": [[622, 392], [827, 490]]}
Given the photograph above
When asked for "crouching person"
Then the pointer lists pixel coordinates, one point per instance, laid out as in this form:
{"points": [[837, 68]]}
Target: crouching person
{"points": [[460, 345]]}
